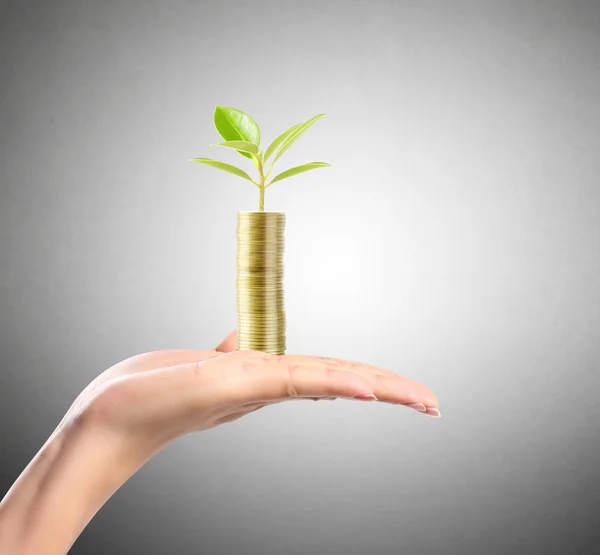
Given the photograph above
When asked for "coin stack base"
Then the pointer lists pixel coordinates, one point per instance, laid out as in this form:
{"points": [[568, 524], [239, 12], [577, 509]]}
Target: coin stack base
{"points": [[260, 303]]}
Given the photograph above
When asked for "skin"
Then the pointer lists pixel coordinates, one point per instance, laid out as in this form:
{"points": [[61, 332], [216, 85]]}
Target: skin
{"points": [[134, 409]]}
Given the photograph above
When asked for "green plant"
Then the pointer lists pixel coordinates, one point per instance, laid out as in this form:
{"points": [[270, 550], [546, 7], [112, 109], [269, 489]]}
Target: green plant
{"points": [[242, 133]]}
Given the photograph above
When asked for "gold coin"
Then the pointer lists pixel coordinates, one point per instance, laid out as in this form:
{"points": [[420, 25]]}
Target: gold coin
{"points": [[257, 287], [267, 269], [273, 312], [270, 312], [263, 341], [261, 334], [277, 314], [270, 351], [252, 303], [274, 276], [262, 320], [264, 284], [257, 322], [264, 337], [253, 324], [259, 346]]}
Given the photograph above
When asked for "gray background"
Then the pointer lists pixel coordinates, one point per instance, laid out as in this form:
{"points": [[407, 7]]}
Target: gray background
{"points": [[456, 240]]}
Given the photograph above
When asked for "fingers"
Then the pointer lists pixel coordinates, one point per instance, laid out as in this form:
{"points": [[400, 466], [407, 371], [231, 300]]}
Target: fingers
{"points": [[387, 386], [228, 344], [250, 376], [390, 387]]}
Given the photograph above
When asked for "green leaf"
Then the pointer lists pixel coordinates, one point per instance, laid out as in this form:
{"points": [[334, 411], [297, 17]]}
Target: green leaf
{"points": [[295, 135], [243, 146], [235, 125], [278, 141], [222, 166], [297, 170]]}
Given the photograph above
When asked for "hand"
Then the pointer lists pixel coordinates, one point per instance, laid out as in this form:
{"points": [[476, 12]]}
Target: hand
{"points": [[135, 408]]}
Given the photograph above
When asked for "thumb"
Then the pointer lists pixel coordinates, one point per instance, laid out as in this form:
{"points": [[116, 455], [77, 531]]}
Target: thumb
{"points": [[229, 344]]}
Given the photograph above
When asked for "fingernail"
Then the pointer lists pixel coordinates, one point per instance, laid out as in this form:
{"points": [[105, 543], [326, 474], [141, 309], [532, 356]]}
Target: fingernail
{"points": [[435, 413], [368, 397], [417, 406]]}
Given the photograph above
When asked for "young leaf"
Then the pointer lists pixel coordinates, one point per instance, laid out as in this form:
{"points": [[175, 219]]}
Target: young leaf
{"points": [[225, 167], [295, 135], [297, 170], [278, 141], [235, 125], [243, 146]]}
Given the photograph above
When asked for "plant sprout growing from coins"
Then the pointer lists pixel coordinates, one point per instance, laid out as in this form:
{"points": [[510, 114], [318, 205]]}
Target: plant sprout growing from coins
{"points": [[242, 133]]}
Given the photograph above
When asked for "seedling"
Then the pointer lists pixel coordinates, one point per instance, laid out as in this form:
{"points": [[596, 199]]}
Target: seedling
{"points": [[242, 133]]}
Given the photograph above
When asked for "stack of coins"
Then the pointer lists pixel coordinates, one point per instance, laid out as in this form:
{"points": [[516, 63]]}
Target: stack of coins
{"points": [[260, 306]]}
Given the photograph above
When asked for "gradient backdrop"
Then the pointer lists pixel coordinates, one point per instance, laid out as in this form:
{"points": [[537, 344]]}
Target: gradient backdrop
{"points": [[456, 241]]}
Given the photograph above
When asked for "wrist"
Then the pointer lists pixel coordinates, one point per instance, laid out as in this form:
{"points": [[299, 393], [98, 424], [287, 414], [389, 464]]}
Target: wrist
{"points": [[76, 471]]}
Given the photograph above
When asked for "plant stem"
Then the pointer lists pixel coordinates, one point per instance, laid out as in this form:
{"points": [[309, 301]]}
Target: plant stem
{"points": [[261, 201]]}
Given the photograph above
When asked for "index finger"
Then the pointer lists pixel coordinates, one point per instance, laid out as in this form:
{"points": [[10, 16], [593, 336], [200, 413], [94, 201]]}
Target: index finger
{"points": [[387, 386]]}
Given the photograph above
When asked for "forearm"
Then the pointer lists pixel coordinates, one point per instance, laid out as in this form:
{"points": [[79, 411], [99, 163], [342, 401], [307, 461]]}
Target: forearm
{"points": [[63, 487]]}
